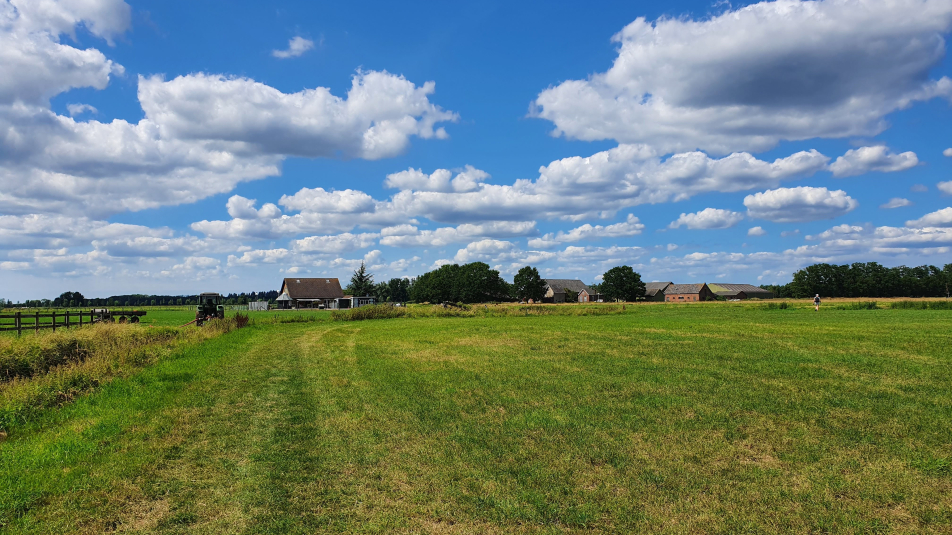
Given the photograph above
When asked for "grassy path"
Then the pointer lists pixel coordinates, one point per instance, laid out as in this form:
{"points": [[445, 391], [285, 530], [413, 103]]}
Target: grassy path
{"points": [[665, 420]]}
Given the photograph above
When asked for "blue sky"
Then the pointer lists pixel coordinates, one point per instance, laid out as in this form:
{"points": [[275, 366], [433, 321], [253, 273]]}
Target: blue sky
{"points": [[180, 147]]}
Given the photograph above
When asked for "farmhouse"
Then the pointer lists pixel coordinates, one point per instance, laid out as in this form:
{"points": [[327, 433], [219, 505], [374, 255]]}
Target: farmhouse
{"points": [[654, 291], [740, 291], [681, 293], [310, 293], [562, 290], [587, 295]]}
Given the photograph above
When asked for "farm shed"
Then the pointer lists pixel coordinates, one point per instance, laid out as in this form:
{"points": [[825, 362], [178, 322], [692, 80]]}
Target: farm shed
{"points": [[654, 291], [740, 291], [555, 291], [682, 293], [258, 305], [310, 293], [349, 301]]}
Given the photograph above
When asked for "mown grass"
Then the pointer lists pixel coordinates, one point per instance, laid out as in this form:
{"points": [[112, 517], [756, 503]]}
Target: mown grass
{"points": [[661, 419]]}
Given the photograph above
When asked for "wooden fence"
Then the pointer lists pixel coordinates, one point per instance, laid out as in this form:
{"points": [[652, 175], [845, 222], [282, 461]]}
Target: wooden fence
{"points": [[35, 321]]}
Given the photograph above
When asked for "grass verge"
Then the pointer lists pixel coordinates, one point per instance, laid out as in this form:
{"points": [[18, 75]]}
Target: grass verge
{"points": [[53, 368]]}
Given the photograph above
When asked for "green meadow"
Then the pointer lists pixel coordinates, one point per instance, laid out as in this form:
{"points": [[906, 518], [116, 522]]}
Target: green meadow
{"points": [[706, 418]]}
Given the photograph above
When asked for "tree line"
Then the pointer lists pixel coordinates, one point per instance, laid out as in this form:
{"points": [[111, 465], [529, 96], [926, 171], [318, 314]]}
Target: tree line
{"points": [[76, 299], [866, 279], [476, 282]]}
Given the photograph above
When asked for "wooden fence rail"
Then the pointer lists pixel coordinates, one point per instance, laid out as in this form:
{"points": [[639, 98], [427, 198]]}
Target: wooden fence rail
{"points": [[35, 321]]}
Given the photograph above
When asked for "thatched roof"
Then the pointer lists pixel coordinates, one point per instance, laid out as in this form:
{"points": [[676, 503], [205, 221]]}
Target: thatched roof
{"points": [[322, 288], [560, 285]]}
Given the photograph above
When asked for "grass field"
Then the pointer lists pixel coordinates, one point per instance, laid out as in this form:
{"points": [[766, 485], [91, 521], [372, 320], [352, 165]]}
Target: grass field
{"points": [[715, 418]]}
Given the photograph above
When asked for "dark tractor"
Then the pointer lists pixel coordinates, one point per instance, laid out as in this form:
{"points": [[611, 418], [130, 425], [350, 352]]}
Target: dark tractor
{"points": [[209, 307]]}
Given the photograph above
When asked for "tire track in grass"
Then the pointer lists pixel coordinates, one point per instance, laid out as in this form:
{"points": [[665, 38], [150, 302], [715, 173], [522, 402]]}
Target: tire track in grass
{"points": [[250, 450], [285, 458]]}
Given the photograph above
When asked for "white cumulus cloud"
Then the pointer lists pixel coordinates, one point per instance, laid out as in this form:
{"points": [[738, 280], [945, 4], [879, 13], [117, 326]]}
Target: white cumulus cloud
{"points": [[483, 250], [756, 231], [334, 244], [202, 135], [632, 226], [376, 120], [896, 202], [878, 158], [749, 78], [469, 179], [297, 46], [785, 205], [409, 236], [709, 218], [939, 218], [35, 65], [79, 109]]}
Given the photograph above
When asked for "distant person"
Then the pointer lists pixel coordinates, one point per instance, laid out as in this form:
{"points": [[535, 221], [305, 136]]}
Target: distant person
{"points": [[816, 302]]}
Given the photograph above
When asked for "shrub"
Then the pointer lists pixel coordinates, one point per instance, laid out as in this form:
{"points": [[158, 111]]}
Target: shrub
{"points": [[778, 306], [241, 320], [921, 305], [858, 305]]}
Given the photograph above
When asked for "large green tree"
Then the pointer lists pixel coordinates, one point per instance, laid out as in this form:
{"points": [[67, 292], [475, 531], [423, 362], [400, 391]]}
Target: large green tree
{"points": [[362, 283], [67, 299], [382, 292], [452, 283], [621, 283], [527, 284], [399, 290]]}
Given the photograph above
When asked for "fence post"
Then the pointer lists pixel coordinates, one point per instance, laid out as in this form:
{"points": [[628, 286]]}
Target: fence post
{"points": [[80, 318], [54, 320], [36, 322], [67, 319], [18, 323]]}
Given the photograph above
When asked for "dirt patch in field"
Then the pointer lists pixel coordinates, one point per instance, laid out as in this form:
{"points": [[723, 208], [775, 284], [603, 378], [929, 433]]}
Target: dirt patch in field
{"points": [[756, 454], [145, 516]]}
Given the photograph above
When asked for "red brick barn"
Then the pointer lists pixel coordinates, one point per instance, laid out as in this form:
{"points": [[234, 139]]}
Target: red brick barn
{"points": [[687, 293]]}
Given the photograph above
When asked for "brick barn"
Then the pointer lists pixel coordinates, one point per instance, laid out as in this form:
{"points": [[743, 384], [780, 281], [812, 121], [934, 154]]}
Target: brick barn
{"points": [[684, 293]]}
